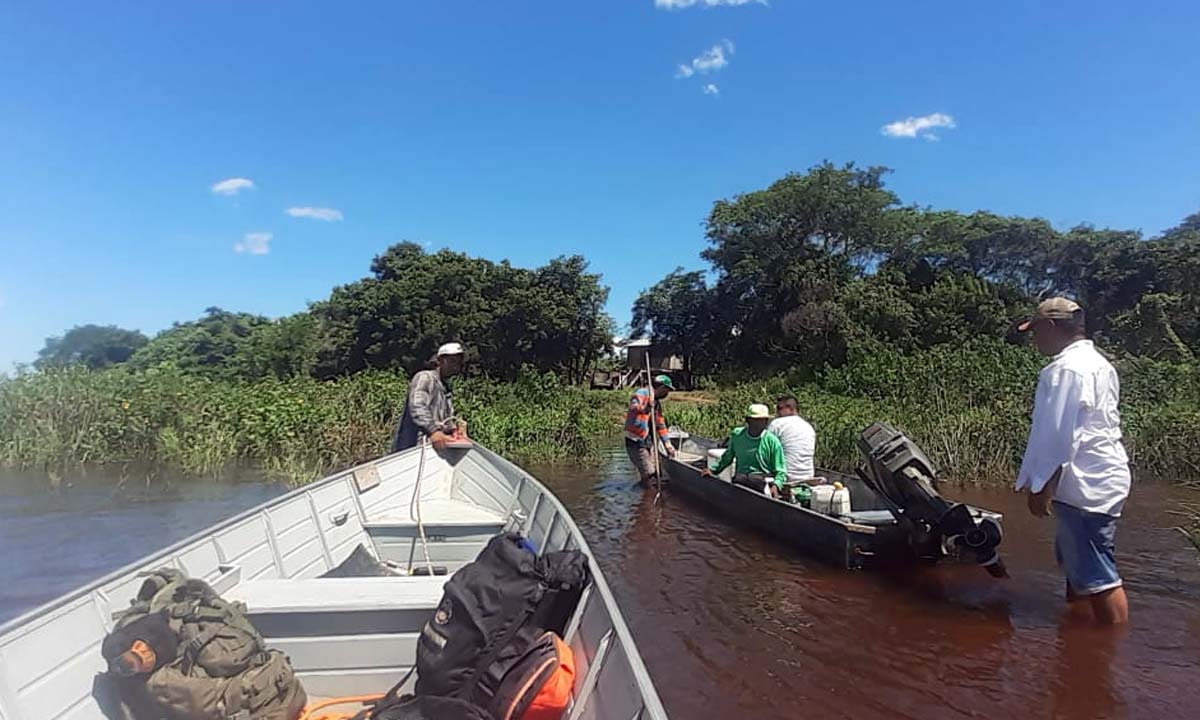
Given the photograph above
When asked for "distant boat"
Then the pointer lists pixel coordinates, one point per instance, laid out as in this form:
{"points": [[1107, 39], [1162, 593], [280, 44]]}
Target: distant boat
{"points": [[345, 636], [896, 515]]}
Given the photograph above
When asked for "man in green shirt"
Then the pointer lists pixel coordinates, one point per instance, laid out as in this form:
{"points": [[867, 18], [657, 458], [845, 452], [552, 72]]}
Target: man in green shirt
{"points": [[757, 455]]}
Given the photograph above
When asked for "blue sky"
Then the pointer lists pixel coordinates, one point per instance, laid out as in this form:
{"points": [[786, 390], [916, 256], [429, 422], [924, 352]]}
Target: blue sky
{"points": [[525, 130]]}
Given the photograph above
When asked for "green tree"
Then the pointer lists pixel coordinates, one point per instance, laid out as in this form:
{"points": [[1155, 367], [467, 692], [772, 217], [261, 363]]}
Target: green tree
{"points": [[550, 317], [214, 345], [677, 312], [784, 255], [96, 346]]}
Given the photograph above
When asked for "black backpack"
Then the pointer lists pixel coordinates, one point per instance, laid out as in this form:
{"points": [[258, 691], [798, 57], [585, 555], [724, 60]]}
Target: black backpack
{"points": [[484, 608]]}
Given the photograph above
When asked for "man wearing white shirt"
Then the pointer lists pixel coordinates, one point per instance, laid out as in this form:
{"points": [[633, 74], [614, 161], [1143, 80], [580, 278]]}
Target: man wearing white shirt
{"points": [[1075, 461], [798, 438]]}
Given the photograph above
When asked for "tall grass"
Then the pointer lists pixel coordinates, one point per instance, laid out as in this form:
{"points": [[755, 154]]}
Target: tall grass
{"points": [[968, 407], [297, 428]]}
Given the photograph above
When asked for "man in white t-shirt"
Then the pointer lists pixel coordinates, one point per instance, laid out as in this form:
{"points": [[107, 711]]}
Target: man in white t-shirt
{"points": [[798, 438], [1075, 461]]}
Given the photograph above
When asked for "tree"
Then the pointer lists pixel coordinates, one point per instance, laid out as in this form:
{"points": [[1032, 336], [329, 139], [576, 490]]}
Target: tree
{"points": [[783, 255], [550, 317], [96, 346], [677, 312], [214, 345]]}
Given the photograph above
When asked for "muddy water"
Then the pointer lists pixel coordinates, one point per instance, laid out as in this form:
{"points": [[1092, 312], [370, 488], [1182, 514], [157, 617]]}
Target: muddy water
{"points": [[732, 624], [735, 625]]}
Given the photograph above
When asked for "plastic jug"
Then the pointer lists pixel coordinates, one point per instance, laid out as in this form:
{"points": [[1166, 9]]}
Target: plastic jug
{"points": [[822, 495], [839, 503], [714, 457]]}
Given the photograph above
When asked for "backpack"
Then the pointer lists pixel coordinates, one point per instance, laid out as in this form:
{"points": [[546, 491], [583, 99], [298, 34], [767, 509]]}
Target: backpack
{"points": [[531, 679], [203, 658], [490, 628]]}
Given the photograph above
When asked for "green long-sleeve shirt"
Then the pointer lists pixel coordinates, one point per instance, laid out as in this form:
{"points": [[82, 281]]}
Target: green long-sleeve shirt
{"points": [[762, 455]]}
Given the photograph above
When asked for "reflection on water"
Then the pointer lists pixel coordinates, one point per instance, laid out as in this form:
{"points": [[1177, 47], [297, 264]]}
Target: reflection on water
{"points": [[732, 624], [52, 542]]}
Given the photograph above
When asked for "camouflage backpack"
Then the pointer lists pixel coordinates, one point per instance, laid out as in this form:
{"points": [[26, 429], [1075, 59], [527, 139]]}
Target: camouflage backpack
{"points": [[216, 665]]}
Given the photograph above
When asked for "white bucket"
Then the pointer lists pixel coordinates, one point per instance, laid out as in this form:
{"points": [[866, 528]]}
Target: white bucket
{"points": [[714, 457]]}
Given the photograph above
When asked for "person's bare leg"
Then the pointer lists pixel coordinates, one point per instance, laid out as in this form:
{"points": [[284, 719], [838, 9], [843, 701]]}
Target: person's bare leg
{"points": [[1079, 607], [1110, 607]]}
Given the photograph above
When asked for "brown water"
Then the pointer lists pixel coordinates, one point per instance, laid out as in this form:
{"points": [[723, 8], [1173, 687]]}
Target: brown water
{"points": [[732, 624]]}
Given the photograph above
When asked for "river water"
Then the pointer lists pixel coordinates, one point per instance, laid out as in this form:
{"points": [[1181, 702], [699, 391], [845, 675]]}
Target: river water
{"points": [[732, 624]]}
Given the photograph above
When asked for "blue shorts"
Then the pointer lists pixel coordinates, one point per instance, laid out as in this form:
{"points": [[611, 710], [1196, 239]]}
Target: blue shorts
{"points": [[1083, 546]]}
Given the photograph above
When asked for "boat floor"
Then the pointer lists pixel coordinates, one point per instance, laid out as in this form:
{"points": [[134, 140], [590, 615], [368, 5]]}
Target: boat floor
{"points": [[439, 511]]}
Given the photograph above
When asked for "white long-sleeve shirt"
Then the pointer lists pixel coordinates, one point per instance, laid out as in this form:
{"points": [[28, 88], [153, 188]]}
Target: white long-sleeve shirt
{"points": [[1076, 425]]}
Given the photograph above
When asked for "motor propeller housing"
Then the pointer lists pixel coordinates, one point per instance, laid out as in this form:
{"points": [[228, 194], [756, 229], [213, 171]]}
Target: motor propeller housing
{"points": [[900, 472]]}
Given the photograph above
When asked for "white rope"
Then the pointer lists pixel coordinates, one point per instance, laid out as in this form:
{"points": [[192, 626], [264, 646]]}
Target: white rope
{"points": [[414, 510]]}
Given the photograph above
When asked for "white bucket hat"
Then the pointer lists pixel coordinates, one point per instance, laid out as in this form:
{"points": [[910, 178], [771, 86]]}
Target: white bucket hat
{"points": [[758, 411], [450, 349]]}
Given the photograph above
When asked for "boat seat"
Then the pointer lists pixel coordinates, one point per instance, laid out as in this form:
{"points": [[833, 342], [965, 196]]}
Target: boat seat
{"points": [[331, 595], [438, 512], [872, 517], [455, 531]]}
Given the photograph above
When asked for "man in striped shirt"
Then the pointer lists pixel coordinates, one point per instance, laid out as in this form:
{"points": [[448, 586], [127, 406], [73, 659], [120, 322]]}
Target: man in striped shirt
{"points": [[639, 442]]}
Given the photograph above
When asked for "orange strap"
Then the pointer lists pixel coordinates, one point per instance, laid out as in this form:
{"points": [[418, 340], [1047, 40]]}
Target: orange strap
{"points": [[360, 699]]}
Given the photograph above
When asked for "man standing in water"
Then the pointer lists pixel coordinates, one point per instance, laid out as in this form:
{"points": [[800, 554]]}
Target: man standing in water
{"points": [[428, 411], [1075, 462], [645, 411]]}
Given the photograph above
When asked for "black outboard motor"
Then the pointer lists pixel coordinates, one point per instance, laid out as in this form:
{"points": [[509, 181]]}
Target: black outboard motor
{"points": [[897, 469]]}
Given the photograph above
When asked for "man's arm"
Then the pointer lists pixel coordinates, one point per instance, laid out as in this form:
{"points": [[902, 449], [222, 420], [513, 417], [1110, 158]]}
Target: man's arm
{"points": [[726, 458], [663, 433], [1052, 435], [776, 462], [420, 403]]}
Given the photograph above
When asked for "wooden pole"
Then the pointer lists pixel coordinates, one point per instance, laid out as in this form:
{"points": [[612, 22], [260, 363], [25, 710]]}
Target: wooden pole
{"points": [[653, 419]]}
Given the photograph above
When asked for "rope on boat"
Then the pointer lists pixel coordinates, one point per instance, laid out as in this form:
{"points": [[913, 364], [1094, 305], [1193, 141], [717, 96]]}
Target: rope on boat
{"points": [[414, 511], [360, 699]]}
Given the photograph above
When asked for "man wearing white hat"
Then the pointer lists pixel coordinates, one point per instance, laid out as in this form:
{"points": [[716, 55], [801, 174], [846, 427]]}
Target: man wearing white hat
{"points": [[428, 410], [1075, 462], [757, 455]]}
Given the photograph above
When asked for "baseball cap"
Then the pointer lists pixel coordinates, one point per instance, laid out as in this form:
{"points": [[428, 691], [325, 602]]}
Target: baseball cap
{"points": [[1058, 308], [758, 411], [665, 381], [450, 349]]}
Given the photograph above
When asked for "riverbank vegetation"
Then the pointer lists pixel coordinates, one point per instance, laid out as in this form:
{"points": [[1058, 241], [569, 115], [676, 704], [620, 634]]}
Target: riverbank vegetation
{"points": [[823, 284]]}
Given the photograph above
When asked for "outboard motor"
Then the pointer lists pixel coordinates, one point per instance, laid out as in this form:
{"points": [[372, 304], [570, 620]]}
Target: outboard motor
{"points": [[900, 472]]}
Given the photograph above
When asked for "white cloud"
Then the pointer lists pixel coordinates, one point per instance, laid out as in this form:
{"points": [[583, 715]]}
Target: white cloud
{"points": [[711, 89], [923, 126], [711, 60], [232, 186], [255, 243], [315, 213], [682, 4]]}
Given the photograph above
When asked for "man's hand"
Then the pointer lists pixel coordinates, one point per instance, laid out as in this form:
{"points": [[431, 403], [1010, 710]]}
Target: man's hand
{"points": [[1039, 503], [670, 450], [439, 440], [706, 473]]}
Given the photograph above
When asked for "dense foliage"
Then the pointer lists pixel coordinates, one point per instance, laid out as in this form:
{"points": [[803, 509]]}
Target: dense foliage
{"points": [[829, 264], [299, 428]]}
